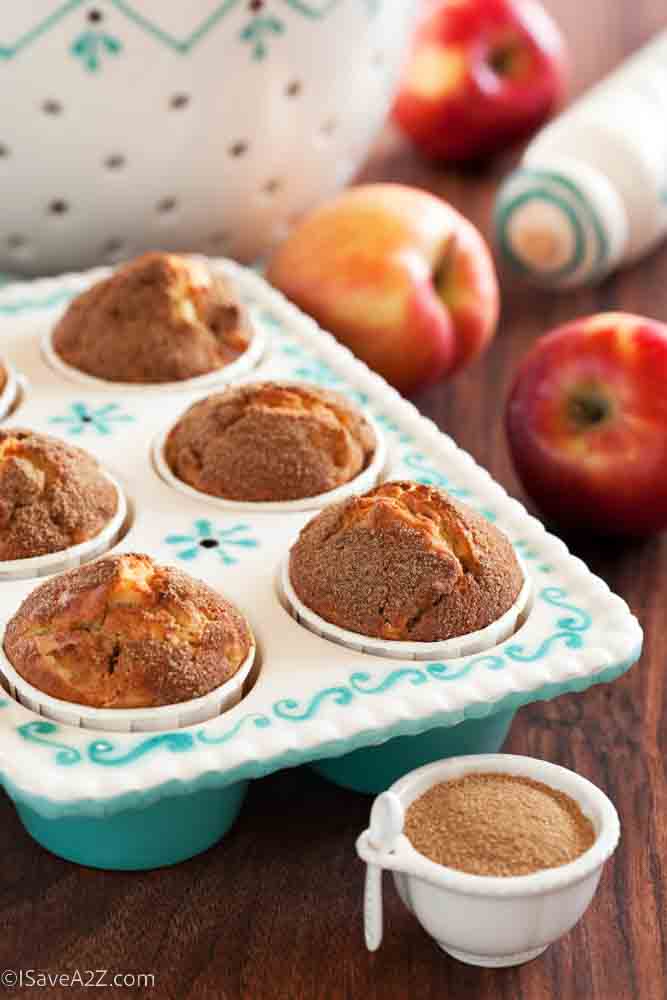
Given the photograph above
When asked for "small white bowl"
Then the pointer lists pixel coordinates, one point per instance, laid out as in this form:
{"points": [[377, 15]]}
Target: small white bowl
{"points": [[221, 376], [75, 555], [129, 720], [460, 645], [365, 480], [483, 920]]}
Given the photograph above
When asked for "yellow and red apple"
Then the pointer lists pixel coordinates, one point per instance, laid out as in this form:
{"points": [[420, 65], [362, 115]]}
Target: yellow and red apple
{"points": [[396, 274], [587, 424], [483, 74]]}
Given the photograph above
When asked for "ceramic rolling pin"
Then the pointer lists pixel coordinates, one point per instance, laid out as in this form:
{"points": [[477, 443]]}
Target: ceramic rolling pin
{"points": [[590, 194]]}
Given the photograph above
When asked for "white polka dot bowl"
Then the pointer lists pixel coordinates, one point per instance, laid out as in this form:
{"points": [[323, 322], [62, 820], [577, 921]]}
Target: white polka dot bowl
{"points": [[202, 126]]}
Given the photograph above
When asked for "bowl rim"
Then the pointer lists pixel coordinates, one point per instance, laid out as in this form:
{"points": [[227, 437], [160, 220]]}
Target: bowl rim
{"points": [[406, 860]]}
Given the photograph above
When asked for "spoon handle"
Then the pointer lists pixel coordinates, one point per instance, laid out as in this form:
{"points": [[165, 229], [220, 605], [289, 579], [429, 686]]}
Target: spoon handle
{"points": [[373, 907]]}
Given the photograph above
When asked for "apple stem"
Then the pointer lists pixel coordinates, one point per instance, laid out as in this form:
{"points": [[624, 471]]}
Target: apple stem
{"points": [[586, 410], [500, 59], [444, 266]]}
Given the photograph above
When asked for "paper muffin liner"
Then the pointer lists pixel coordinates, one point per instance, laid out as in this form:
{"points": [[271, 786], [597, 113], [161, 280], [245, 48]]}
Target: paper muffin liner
{"points": [[75, 555], [463, 645], [129, 720], [221, 376], [365, 480], [8, 394]]}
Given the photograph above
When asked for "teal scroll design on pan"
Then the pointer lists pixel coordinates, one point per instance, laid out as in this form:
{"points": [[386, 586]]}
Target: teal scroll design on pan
{"points": [[447, 672], [361, 679], [35, 732], [101, 751], [430, 476], [570, 629], [294, 711], [210, 739]]}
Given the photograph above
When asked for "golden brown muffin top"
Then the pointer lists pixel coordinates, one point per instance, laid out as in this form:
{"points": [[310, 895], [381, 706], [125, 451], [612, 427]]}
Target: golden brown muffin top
{"points": [[124, 632], [405, 562], [52, 495], [158, 318], [3, 376], [270, 441]]}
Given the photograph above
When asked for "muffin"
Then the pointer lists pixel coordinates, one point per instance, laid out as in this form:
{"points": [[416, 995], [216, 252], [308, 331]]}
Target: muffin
{"points": [[405, 562], [159, 318], [270, 441], [124, 633], [52, 495], [3, 378]]}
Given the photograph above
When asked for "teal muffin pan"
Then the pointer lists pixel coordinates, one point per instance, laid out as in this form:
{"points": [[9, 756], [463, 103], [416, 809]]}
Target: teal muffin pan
{"points": [[133, 800]]}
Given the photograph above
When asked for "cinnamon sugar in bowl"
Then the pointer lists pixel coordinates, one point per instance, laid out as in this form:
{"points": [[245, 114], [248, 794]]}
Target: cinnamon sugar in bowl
{"points": [[498, 824]]}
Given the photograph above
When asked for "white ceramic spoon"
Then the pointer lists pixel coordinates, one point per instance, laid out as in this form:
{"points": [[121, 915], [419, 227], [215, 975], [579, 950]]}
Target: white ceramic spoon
{"points": [[386, 826]]}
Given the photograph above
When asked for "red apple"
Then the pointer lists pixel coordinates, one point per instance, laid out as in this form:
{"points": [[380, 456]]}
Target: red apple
{"points": [[587, 424], [483, 75], [396, 274]]}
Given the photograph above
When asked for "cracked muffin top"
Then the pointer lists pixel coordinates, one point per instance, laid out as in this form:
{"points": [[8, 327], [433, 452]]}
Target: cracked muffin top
{"points": [[405, 562], [158, 318], [270, 441], [124, 632], [52, 495]]}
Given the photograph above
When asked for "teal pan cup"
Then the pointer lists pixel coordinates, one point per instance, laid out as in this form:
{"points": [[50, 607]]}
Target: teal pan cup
{"points": [[133, 831], [171, 830], [373, 769]]}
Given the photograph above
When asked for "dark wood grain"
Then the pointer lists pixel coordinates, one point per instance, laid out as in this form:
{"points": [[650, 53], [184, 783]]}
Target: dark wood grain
{"points": [[274, 911]]}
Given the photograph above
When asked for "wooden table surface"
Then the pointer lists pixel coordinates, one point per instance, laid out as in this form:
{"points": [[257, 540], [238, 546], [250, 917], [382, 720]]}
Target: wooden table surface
{"points": [[275, 910]]}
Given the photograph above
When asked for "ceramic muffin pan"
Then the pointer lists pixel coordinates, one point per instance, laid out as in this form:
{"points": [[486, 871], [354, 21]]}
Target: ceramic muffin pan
{"points": [[135, 800]]}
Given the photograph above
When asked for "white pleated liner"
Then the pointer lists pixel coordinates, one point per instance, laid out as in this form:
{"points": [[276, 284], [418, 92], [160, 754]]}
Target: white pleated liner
{"points": [[221, 376], [8, 394], [129, 720], [463, 645], [365, 480], [75, 555]]}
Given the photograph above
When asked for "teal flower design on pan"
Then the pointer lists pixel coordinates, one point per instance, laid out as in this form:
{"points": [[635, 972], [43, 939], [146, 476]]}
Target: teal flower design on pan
{"points": [[90, 46], [80, 417], [206, 535]]}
